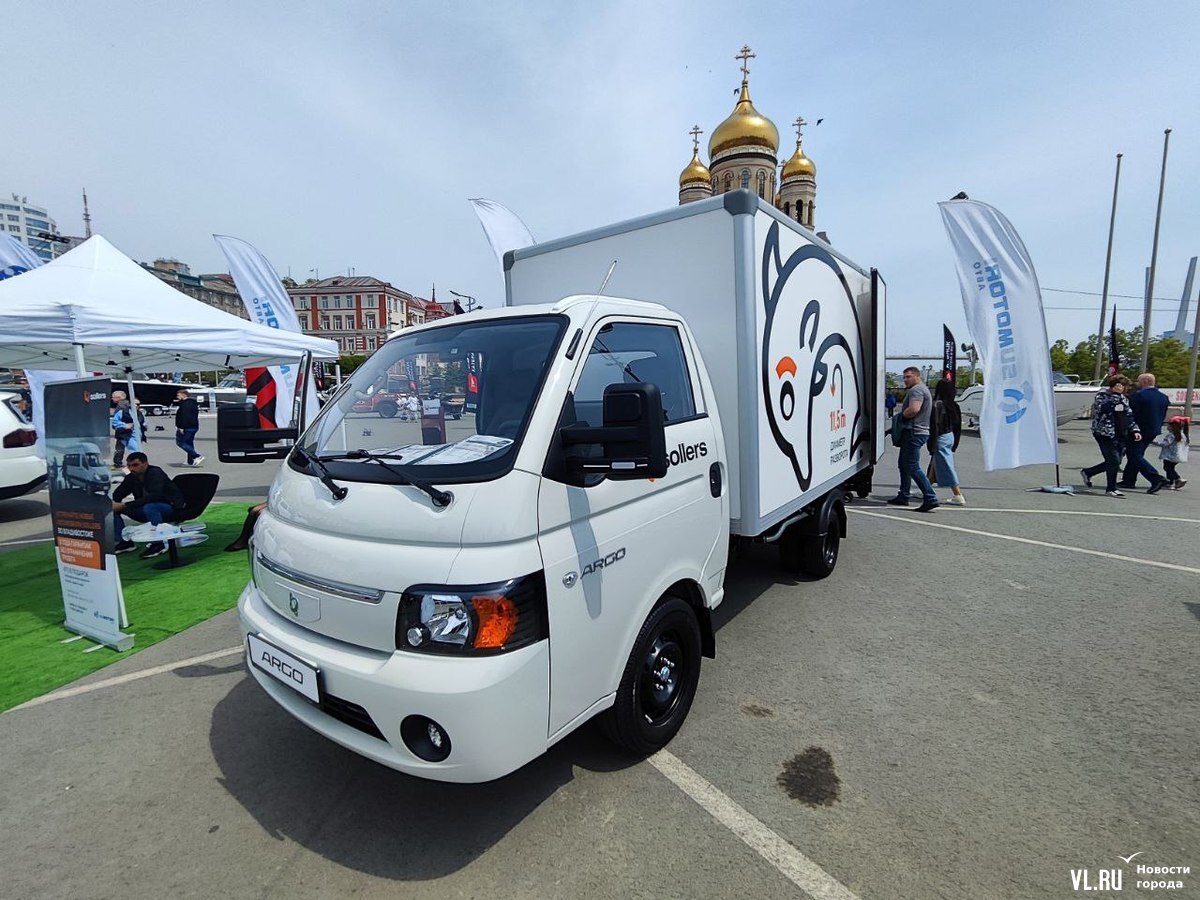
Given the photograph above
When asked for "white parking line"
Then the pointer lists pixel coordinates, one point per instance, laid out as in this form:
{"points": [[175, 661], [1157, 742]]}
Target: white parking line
{"points": [[44, 540], [912, 520], [1071, 512], [791, 863], [125, 679]]}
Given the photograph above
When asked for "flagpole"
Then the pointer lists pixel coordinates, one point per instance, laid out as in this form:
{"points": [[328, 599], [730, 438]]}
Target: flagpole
{"points": [[1187, 404], [1112, 221], [1162, 182]]}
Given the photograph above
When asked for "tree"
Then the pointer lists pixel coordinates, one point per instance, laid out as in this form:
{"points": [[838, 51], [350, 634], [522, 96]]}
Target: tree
{"points": [[1060, 358], [351, 362]]}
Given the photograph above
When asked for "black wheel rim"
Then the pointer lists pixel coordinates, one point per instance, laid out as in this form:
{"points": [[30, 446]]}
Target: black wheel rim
{"points": [[664, 673], [829, 547]]}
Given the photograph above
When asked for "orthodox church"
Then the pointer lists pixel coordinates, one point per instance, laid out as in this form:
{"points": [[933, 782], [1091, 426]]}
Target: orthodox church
{"points": [[743, 152]]}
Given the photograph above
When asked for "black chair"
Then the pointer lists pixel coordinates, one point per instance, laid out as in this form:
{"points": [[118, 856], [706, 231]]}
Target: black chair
{"points": [[198, 489]]}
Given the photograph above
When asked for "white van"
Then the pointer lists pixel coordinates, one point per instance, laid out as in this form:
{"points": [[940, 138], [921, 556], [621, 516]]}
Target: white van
{"points": [[82, 467], [452, 609]]}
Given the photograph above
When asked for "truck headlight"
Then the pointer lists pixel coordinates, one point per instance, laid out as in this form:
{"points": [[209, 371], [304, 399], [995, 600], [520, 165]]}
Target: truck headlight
{"points": [[473, 619]]}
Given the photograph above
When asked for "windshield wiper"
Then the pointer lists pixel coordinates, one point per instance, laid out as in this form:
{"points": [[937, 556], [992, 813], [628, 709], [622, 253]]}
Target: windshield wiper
{"points": [[440, 498], [314, 462]]}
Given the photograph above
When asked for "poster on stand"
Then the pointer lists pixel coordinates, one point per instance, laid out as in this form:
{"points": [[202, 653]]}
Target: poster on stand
{"points": [[77, 453]]}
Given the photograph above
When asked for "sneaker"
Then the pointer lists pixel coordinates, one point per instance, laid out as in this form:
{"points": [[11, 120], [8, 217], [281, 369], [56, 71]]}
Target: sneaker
{"points": [[124, 546], [1113, 493], [197, 461], [1157, 486], [898, 501], [158, 548], [1180, 483], [928, 506], [957, 500], [1087, 479]]}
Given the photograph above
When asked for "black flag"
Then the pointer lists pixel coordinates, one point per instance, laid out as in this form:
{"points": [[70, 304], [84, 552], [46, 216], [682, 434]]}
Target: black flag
{"points": [[949, 354], [1114, 353]]}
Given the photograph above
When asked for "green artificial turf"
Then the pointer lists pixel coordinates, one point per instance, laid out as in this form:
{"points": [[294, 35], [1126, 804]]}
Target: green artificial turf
{"points": [[159, 604]]}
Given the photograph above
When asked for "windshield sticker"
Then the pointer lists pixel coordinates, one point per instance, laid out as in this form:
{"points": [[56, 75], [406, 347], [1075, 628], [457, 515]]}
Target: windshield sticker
{"points": [[469, 450]]}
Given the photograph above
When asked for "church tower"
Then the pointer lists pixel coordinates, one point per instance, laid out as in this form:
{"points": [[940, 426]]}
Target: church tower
{"points": [[743, 149], [798, 183], [695, 181]]}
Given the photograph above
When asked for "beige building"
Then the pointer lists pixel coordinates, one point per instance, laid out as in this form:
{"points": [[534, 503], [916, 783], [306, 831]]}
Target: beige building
{"points": [[743, 152], [359, 312], [215, 290]]}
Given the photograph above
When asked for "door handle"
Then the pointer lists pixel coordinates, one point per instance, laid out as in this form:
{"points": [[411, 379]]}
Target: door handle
{"points": [[714, 479]]}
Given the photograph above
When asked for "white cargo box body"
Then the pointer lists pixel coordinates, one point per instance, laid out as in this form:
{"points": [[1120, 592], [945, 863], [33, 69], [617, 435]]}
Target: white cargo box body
{"points": [[790, 330]]}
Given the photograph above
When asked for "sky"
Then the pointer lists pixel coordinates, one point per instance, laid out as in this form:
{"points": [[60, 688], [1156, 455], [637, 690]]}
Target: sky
{"points": [[350, 135]]}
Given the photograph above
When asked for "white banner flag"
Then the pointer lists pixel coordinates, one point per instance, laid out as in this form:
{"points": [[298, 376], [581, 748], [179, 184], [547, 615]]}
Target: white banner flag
{"points": [[15, 257], [504, 229], [1003, 305], [268, 304]]}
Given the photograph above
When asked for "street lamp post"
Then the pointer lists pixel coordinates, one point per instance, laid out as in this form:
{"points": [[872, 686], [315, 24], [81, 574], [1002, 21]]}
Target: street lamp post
{"points": [[468, 298]]}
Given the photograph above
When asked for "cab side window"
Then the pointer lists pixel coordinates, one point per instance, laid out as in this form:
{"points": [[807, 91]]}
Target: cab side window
{"points": [[632, 353]]}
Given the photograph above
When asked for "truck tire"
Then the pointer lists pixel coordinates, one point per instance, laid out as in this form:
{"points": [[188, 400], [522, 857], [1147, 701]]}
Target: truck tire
{"points": [[814, 550], [819, 555], [154, 410], [659, 681], [387, 408]]}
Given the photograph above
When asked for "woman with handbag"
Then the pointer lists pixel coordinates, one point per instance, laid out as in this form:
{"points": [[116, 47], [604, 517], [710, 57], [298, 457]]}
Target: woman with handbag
{"points": [[945, 430]]}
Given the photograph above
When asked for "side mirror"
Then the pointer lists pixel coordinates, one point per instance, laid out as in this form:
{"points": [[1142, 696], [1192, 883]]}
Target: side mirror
{"points": [[241, 440], [633, 437]]}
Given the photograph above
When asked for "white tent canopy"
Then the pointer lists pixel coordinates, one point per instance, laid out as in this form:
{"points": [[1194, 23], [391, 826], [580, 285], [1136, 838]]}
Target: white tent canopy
{"points": [[125, 319]]}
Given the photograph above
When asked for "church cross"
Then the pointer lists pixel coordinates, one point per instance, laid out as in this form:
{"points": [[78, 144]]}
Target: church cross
{"points": [[745, 56], [799, 123], [695, 133]]}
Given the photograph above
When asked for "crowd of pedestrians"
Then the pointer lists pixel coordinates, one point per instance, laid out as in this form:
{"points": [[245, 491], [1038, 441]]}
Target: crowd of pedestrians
{"points": [[129, 427], [1125, 424]]}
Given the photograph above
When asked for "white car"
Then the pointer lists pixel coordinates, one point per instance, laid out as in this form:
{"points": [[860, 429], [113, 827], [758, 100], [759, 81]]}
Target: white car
{"points": [[22, 471]]}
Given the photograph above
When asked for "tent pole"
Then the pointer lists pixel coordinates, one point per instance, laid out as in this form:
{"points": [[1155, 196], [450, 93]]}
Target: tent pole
{"points": [[80, 365]]}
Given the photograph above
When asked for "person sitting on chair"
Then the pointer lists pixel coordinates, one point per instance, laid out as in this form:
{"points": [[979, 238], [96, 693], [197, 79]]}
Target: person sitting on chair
{"points": [[155, 499]]}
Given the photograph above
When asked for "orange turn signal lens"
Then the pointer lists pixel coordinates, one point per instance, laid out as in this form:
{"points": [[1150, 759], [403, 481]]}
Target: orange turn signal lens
{"points": [[497, 620]]}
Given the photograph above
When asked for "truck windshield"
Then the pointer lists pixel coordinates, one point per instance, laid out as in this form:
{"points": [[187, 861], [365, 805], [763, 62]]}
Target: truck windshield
{"points": [[447, 404]]}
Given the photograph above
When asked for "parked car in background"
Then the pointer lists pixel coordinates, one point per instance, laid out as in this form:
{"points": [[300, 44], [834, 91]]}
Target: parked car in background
{"points": [[22, 471]]}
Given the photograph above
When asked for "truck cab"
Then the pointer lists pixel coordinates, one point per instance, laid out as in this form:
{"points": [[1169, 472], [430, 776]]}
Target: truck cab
{"points": [[452, 605]]}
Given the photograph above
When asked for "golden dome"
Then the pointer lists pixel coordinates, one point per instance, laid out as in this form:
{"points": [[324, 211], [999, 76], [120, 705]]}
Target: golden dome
{"points": [[695, 172], [744, 127], [799, 164]]}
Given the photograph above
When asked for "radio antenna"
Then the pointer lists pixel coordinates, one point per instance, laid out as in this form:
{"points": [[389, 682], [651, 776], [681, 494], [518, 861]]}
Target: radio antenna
{"points": [[604, 283]]}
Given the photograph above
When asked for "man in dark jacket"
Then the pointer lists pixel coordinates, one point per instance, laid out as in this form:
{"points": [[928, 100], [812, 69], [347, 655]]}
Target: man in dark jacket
{"points": [[187, 423], [155, 499], [1149, 407]]}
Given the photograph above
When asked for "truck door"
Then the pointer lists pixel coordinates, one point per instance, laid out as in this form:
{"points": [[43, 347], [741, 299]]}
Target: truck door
{"points": [[608, 545]]}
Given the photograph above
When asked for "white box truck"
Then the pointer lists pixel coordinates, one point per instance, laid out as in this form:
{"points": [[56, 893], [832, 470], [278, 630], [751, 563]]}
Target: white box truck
{"points": [[452, 598]]}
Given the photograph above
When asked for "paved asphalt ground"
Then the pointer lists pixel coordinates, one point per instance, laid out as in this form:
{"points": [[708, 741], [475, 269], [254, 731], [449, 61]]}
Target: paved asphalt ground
{"points": [[954, 713]]}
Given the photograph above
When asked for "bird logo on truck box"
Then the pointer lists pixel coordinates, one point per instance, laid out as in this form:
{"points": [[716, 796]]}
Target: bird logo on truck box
{"points": [[811, 359]]}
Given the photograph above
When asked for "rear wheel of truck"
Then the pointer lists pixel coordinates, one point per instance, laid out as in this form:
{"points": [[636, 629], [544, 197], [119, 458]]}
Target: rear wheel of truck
{"points": [[659, 681], [814, 551], [387, 409]]}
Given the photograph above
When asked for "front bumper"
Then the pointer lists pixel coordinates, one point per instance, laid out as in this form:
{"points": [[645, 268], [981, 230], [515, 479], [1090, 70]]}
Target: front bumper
{"points": [[495, 709]]}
